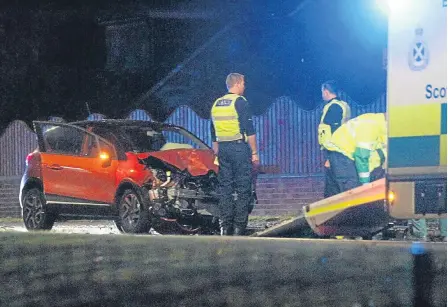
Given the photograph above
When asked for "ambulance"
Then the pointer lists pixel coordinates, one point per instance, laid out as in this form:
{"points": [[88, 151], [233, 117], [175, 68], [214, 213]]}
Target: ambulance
{"points": [[415, 185]]}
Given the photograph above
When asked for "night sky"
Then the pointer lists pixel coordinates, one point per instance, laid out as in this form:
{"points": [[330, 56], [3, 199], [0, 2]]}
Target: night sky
{"points": [[57, 55]]}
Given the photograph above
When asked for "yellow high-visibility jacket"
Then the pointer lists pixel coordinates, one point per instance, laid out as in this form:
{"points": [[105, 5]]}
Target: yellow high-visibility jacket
{"points": [[364, 140], [225, 118], [324, 130]]}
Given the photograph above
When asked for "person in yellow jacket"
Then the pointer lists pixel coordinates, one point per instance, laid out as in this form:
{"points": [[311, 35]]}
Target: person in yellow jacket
{"points": [[363, 140], [233, 137], [340, 174]]}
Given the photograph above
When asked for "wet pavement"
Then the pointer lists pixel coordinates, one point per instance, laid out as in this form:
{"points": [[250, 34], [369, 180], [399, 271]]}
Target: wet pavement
{"points": [[85, 227]]}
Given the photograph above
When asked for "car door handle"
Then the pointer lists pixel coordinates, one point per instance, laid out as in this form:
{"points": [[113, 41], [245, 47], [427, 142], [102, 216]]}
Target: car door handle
{"points": [[56, 167]]}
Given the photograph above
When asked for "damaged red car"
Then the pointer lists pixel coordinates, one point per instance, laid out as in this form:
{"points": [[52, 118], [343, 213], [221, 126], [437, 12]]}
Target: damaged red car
{"points": [[140, 174]]}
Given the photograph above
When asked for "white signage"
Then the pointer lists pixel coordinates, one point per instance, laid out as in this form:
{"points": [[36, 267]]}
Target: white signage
{"points": [[417, 47]]}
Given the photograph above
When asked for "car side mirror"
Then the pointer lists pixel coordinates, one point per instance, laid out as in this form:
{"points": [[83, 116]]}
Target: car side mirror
{"points": [[105, 158]]}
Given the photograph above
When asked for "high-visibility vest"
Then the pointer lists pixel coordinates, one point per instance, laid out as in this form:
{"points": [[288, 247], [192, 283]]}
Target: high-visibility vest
{"points": [[343, 141], [225, 118], [363, 139], [324, 130], [370, 139]]}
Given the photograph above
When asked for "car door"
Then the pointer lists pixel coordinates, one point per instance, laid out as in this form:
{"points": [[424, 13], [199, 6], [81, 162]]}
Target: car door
{"points": [[73, 168], [101, 166]]}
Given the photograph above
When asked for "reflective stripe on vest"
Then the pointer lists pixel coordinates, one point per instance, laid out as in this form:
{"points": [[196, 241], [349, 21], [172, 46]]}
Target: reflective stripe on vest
{"points": [[364, 175], [225, 118], [366, 145], [324, 130]]}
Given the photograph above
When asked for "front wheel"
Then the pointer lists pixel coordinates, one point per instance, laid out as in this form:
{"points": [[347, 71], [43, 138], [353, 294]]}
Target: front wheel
{"points": [[133, 214], [33, 212]]}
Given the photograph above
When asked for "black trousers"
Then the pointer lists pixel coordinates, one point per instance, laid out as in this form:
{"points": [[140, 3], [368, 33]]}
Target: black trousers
{"points": [[331, 185], [235, 175], [341, 176], [377, 173]]}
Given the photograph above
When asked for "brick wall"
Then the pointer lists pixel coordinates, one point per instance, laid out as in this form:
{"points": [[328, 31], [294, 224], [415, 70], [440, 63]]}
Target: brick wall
{"points": [[9, 197], [276, 195], [287, 195]]}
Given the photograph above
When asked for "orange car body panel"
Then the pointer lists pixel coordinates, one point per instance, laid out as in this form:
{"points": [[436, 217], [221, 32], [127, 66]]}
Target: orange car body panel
{"points": [[133, 171], [197, 162], [79, 177], [86, 178]]}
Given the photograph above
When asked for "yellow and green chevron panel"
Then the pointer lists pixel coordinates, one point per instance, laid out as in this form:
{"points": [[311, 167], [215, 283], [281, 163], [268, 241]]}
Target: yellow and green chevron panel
{"points": [[417, 135]]}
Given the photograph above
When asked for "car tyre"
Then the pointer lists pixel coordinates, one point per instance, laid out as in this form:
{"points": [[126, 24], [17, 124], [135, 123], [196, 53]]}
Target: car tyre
{"points": [[133, 214], [34, 215]]}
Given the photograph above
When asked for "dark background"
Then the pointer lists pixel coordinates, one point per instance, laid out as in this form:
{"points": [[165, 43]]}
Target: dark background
{"points": [[57, 55]]}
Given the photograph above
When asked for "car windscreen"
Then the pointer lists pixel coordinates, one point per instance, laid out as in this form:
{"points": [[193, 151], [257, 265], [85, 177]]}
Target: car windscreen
{"points": [[142, 139]]}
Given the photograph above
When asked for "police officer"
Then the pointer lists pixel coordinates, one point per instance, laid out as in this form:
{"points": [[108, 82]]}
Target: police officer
{"points": [[340, 172], [234, 142]]}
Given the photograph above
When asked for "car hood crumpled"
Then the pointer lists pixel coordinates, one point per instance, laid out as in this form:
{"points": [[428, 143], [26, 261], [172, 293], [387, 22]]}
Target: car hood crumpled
{"points": [[197, 162]]}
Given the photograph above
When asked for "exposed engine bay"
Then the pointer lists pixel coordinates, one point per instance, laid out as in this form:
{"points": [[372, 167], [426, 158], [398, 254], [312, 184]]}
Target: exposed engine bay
{"points": [[180, 201]]}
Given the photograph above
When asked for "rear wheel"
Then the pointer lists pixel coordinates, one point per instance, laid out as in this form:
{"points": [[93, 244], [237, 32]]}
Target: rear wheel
{"points": [[33, 212], [133, 214]]}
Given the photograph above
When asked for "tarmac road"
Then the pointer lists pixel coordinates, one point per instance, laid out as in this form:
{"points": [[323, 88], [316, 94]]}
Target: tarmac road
{"points": [[108, 227], [102, 226]]}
